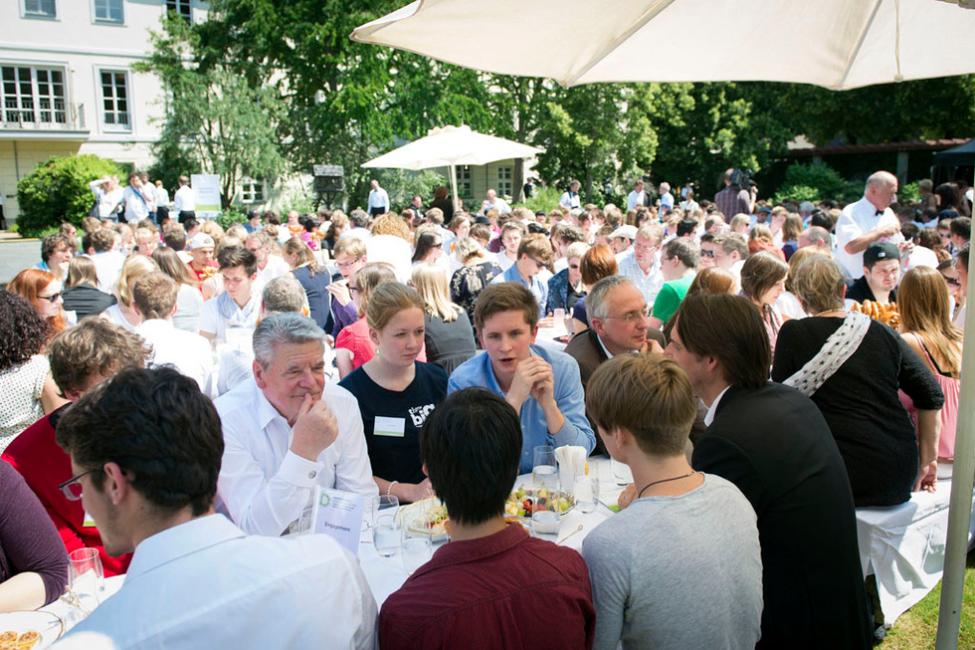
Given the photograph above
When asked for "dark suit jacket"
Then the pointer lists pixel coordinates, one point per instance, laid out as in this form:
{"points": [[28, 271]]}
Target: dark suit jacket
{"points": [[773, 443]]}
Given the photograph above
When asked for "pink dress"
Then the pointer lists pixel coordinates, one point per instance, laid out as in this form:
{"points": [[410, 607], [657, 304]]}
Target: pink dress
{"points": [[951, 388]]}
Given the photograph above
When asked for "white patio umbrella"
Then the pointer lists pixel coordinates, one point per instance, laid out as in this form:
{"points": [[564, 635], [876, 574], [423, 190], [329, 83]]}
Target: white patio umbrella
{"points": [[838, 44], [450, 146]]}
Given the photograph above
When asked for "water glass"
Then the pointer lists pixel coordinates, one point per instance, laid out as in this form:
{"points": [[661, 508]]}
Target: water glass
{"points": [[559, 317], [386, 528], [585, 491], [545, 488], [86, 577], [417, 545]]}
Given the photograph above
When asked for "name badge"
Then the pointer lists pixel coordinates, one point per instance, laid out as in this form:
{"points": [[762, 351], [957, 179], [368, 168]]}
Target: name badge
{"points": [[389, 427]]}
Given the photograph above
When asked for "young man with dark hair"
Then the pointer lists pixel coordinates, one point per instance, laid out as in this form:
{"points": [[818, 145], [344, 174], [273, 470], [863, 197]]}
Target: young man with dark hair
{"points": [[774, 444], [81, 358], [542, 385], [692, 531], [961, 232], [56, 251], [146, 472], [240, 303], [493, 585], [534, 254]]}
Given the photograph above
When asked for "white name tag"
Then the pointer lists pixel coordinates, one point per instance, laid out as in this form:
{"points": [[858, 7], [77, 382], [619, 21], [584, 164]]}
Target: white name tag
{"points": [[391, 427]]}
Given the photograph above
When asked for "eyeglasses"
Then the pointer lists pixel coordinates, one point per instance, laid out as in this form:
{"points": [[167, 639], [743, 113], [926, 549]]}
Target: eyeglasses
{"points": [[54, 297], [631, 317], [72, 487], [345, 265], [707, 253]]}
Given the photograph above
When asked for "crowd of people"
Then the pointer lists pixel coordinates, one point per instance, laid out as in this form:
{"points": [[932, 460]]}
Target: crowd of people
{"points": [[174, 392]]}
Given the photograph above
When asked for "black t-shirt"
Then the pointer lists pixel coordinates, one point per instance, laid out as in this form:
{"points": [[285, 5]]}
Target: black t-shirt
{"points": [[394, 445]]}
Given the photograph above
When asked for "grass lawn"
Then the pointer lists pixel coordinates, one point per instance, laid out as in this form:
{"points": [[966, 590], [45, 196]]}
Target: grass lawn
{"points": [[918, 626]]}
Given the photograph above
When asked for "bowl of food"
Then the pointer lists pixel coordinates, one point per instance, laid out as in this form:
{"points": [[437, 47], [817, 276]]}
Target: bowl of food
{"points": [[526, 501], [427, 517]]}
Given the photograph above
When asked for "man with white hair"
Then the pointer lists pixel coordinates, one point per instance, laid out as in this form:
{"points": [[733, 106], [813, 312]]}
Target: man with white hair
{"points": [[570, 198], [286, 431], [493, 201], [666, 198], [867, 221]]}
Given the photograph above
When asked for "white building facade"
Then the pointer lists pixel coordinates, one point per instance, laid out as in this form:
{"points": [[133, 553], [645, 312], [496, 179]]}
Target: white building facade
{"points": [[67, 84]]}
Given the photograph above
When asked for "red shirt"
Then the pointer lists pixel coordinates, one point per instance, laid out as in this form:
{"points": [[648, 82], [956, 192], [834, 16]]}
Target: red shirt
{"points": [[35, 454], [355, 339], [508, 590]]}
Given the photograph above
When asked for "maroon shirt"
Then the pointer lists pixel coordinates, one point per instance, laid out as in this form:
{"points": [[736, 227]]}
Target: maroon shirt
{"points": [[508, 590]]}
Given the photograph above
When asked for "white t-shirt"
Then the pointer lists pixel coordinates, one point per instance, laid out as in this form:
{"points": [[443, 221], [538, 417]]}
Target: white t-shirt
{"points": [[189, 353], [211, 320], [185, 199]]}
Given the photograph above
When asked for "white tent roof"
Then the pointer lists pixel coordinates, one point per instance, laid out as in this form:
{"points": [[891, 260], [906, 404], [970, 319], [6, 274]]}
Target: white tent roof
{"points": [[838, 44], [450, 146]]}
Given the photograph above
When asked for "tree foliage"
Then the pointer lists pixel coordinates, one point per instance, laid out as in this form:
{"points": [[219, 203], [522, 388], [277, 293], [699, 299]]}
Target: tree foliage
{"points": [[57, 191]]}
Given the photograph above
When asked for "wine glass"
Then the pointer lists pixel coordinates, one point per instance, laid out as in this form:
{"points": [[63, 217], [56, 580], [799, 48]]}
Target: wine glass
{"points": [[86, 578], [386, 529]]}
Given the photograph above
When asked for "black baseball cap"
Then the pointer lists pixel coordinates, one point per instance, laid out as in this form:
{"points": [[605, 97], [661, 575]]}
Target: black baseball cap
{"points": [[880, 252]]}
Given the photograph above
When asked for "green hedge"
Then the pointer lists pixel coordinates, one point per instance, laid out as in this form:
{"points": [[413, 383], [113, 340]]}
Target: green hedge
{"points": [[816, 182], [57, 191]]}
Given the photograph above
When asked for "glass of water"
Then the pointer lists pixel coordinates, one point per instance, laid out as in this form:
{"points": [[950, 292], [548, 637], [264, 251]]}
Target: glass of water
{"points": [[545, 489], [386, 528], [585, 491], [417, 545]]}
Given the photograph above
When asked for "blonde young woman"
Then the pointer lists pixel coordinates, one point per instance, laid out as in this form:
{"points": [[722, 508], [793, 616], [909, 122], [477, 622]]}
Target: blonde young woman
{"points": [[123, 312], [314, 279], [396, 391], [926, 326], [448, 333]]}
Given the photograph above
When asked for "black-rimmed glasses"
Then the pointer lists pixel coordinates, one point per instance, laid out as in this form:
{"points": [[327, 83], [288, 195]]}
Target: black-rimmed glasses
{"points": [[72, 487]]}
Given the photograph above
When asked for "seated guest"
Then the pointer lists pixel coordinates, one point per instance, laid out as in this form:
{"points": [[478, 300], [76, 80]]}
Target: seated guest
{"points": [[286, 431], [81, 294], [396, 393], [493, 584], [314, 279], [762, 282], [238, 306], [81, 358], [448, 335], [350, 256], [154, 297], [43, 291], [189, 299], [852, 367], [774, 445], [25, 374], [477, 272], [619, 325], [512, 232], [148, 475], [353, 347], [881, 274], [269, 266], [688, 529], [33, 564], [123, 312], [565, 287], [534, 254], [596, 264], [678, 264], [201, 264], [102, 248], [542, 385]]}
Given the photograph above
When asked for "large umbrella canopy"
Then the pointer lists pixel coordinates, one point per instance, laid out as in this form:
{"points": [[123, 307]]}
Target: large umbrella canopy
{"points": [[962, 155], [837, 44], [450, 146]]}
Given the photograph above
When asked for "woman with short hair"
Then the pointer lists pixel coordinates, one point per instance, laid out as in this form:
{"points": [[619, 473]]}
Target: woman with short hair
{"points": [[43, 291], [762, 282], [395, 390], [852, 367]]}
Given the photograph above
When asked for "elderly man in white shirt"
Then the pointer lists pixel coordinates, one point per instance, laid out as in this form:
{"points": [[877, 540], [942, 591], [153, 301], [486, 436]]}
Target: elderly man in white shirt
{"points": [[570, 198], [146, 473], [154, 297], [286, 431], [642, 265], [108, 195], [867, 221], [494, 202]]}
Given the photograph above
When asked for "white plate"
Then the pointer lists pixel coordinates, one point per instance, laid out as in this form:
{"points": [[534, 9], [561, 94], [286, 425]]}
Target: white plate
{"points": [[49, 626]]}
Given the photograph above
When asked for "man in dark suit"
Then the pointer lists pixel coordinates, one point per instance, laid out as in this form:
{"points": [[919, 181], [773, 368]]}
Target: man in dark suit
{"points": [[773, 443], [618, 323]]}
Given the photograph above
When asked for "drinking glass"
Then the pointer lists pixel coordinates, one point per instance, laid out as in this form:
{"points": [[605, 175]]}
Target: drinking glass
{"points": [[417, 543], [86, 577], [545, 488], [585, 490], [559, 317], [386, 528]]}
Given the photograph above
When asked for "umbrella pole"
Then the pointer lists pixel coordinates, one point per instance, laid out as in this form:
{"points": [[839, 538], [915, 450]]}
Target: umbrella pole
{"points": [[453, 184], [960, 505]]}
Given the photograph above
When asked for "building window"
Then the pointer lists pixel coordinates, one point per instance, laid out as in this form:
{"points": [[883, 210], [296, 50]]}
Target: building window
{"points": [[108, 11], [181, 7], [505, 175], [32, 95], [464, 182], [40, 8], [251, 191], [115, 100]]}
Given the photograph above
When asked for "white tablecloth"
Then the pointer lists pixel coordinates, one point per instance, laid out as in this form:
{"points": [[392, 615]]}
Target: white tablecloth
{"points": [[904, 548], [71, 616], [386, 575]]}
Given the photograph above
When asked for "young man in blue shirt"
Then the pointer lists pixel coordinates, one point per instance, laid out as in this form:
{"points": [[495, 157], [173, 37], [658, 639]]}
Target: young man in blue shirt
{"points": [[542, 385]]}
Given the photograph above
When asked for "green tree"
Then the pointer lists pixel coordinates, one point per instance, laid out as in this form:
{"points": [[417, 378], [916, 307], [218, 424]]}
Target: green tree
{"points": [[58, 191], [215, 122]]}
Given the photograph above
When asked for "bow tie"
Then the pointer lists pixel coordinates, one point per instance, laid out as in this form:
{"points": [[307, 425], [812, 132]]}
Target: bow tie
{"points": [[878, 213]]}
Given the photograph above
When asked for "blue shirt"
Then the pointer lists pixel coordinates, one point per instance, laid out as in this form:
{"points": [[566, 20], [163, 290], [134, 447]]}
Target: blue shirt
{"points": [[569, 396], [538, 288]]}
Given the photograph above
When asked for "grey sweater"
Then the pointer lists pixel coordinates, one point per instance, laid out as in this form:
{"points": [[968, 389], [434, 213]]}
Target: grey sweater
{"points": [[678, 572]]}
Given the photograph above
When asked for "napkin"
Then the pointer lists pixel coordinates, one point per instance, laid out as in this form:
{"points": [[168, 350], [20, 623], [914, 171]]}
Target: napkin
{"points": [[572, 463]]}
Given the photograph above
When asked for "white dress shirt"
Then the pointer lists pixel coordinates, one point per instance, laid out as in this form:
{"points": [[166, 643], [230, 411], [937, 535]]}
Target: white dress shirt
{"points": [[211, 321], [162, 197], [108, 268], [275, 268], [185, 199], [855, 220], [499, 204], [713, 408], [648, 283], [634, 199], [570, 200], [136, 205], [378, 198], [263, 484], [107, 201], [187, 352], [206, 584]]}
